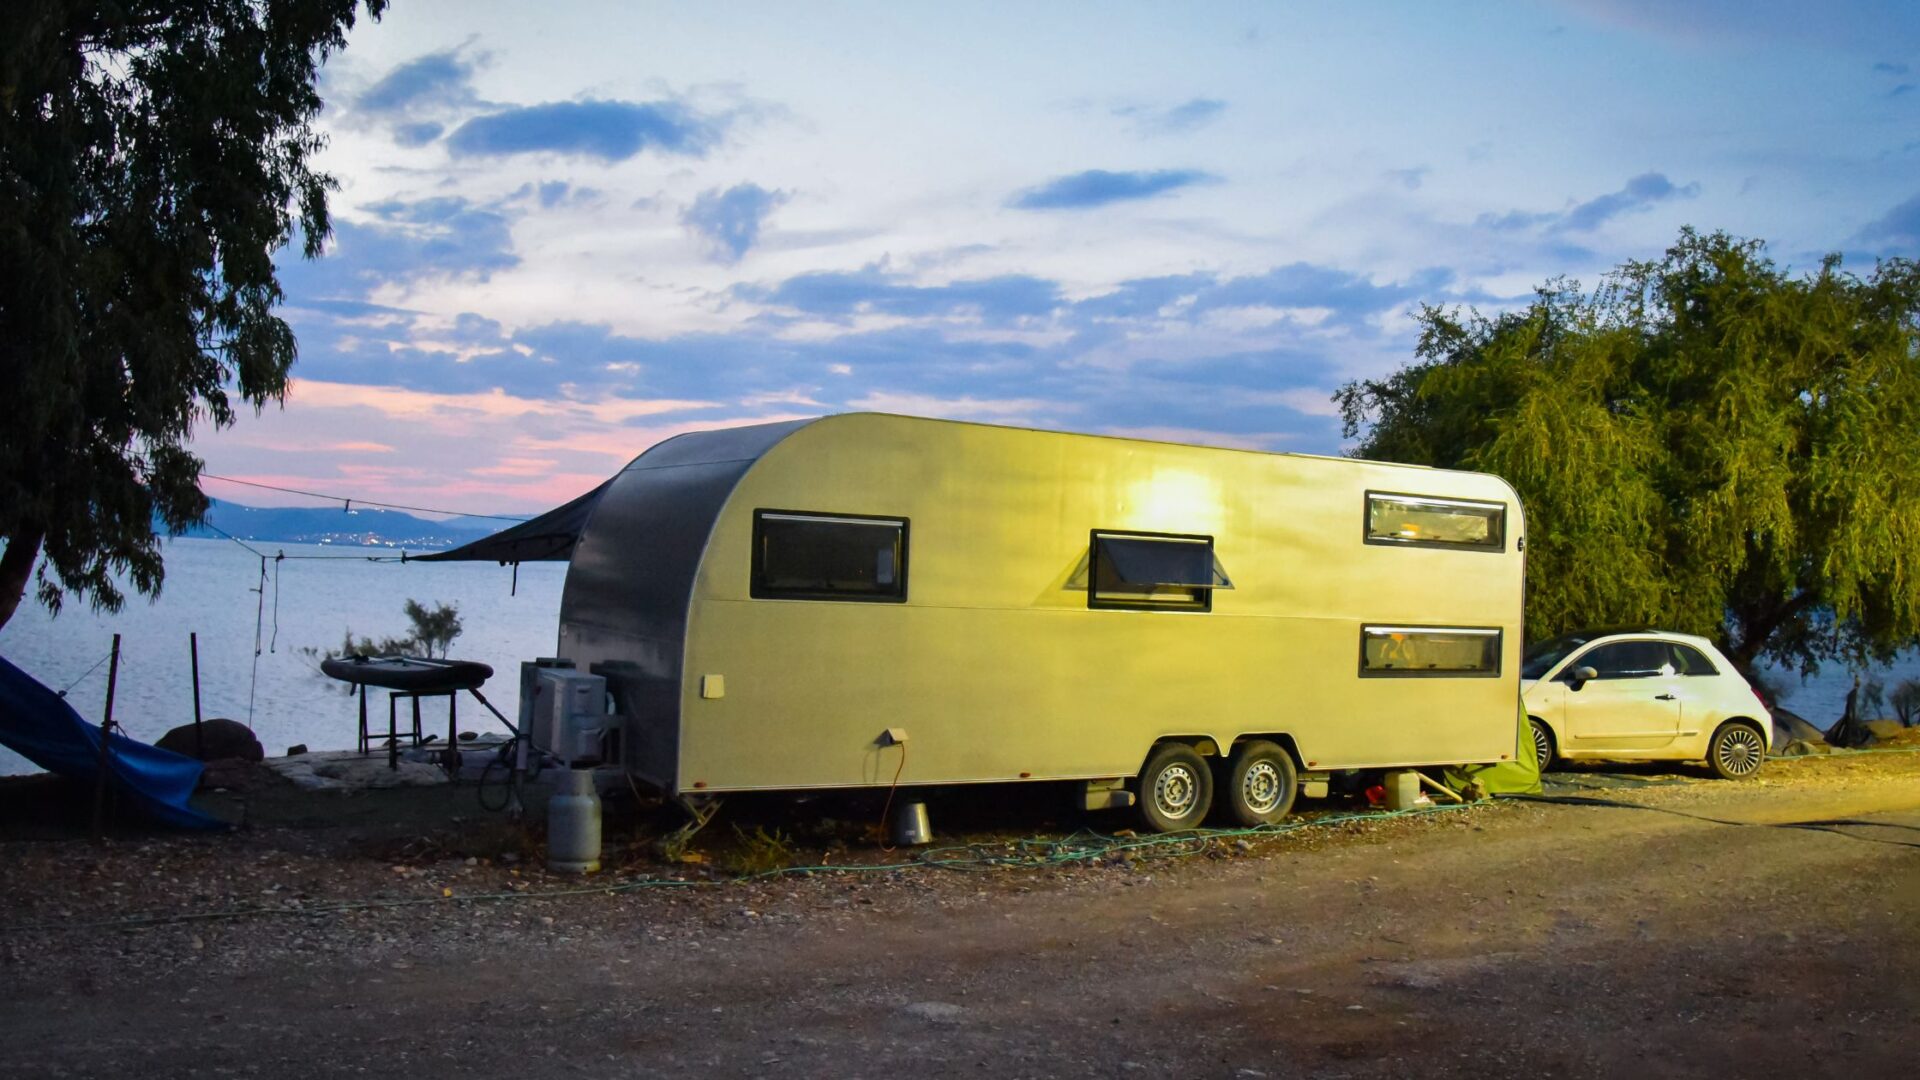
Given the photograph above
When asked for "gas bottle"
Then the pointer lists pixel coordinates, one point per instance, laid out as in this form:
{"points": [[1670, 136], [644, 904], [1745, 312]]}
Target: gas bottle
{"points": [[573, 825]]}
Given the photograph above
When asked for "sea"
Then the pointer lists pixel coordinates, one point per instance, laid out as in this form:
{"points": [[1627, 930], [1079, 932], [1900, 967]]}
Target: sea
{"points": [[261, 620], [255, 632]]}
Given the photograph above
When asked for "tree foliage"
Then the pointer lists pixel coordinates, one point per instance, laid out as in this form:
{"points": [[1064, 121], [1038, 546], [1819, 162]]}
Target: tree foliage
{"points": [[1705, 442], [434, 631], [154, 154], [436, 627]]}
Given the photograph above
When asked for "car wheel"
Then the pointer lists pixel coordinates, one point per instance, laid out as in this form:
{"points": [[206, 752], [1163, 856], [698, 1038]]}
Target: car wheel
{"points": [[1176, 789], [1542, 744], [1261, 784], [1736, 751]]}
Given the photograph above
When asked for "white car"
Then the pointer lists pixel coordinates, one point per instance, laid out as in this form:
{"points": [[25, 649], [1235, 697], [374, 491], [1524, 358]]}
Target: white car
{"points": [[1643, 695]]}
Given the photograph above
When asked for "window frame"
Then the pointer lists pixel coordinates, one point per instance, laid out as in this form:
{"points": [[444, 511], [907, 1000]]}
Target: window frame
{"points": [[1580, 661], [1497, 545], [758, 589], [1498, 633], [1094, 601]]}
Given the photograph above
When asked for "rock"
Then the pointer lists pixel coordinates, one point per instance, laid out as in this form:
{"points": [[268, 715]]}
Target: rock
{"points": [[219, 738], [935, 1012], [296, 749]]}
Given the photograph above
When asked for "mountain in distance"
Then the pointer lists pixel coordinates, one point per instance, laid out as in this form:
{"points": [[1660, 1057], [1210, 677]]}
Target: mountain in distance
{"points": [[337, 525]]}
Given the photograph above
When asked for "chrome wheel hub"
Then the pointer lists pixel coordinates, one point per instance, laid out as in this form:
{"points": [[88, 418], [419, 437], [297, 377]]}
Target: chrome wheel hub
{"points": [[1739, 752], [1175, 790], [1260, 789]]}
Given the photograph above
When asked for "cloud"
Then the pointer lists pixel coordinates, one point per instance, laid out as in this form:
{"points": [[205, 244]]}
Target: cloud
{"points": [[1640, 193], [1098, 187], [1643, 192], [1411, 179], [608, 130], [444, 236], [548, 194], [437, 79], [1888, 67], [873, 291], [417, 134], [965, 407], [1177, 120], [1900, 91], [729, 221], [1897, 232]]}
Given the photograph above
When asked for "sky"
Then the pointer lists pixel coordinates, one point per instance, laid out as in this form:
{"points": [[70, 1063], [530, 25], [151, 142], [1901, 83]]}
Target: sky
{"points": [[566, 232]]}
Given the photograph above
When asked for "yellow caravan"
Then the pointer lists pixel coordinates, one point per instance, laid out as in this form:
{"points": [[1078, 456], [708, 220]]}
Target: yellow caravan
{"points": [[835, 603]]}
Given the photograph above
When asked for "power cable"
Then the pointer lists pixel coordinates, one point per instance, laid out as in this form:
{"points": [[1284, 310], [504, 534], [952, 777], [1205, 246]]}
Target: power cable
{"points": [[348, 502]]}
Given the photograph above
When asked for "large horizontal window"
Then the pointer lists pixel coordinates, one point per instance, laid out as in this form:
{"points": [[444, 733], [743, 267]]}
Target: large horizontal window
{"points": [[1153, 571], [1429, 650], [1428, 521], [802, 556]]}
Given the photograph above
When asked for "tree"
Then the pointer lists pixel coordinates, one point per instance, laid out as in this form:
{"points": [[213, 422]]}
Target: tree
{"points": [[434, 628], [154, 154], [1905, 700], [1704, 442]]}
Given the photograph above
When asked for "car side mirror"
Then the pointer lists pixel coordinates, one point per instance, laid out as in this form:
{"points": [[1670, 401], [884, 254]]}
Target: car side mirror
{"points": [[1581, 677]]}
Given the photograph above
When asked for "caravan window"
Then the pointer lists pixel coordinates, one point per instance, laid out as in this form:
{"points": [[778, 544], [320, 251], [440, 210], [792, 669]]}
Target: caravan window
{"points": [[1425, 521], [802, 556], [1429, 650], [1153, 571]]}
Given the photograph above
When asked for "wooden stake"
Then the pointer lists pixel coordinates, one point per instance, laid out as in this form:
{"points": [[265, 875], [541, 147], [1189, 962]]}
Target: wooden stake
{"points": [[106, 747], [199, 738]]}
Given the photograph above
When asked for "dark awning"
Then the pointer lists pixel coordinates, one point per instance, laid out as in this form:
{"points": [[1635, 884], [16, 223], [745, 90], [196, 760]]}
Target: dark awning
{"points": [[547, 538]]}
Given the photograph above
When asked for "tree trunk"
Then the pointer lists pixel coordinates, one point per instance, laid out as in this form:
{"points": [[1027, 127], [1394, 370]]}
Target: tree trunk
{"points": [[16, 564]]}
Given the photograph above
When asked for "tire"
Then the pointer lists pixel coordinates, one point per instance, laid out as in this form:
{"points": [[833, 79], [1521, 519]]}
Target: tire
{"points": [[1542, 744], [1261, 783], [1176, 789], [1736, 751]]}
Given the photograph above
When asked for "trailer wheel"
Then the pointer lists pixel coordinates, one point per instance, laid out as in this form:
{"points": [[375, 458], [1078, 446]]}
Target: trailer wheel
{"points": [[1261, 784], [1176, 788]]}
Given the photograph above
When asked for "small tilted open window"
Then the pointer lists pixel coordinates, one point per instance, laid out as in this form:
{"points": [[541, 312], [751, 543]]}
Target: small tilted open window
{"points": [[1429, 521], [1153, 572], [802, 556], [1429, 651]]}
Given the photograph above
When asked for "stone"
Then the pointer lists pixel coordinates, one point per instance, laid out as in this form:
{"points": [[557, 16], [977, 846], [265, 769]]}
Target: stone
{"points": [[219, 739], [935, 1012]]}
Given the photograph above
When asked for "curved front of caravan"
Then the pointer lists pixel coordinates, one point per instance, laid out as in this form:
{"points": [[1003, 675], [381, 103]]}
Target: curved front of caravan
{"points": [[623, 610]]}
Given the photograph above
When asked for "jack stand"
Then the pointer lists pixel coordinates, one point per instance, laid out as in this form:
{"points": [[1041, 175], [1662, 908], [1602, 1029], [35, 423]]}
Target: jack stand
{"points": [[700, 809]]}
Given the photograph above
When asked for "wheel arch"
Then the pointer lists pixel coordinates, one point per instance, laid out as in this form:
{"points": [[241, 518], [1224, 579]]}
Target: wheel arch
{"points": [[1204, 745], [1279, 738]]}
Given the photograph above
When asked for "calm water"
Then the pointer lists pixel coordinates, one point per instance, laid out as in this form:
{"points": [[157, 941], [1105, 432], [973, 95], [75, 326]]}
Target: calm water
{"points": [[209, 590]]}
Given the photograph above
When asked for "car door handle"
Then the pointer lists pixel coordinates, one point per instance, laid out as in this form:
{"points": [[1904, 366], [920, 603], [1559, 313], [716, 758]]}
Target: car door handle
{"points": [[1664, 697]]}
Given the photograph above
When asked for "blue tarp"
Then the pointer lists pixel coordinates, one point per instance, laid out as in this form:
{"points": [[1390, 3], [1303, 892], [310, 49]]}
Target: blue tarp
{"points": [[39, 725]]}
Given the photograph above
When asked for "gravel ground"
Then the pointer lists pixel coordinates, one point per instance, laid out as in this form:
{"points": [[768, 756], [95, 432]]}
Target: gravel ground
{"points": [[1695, 928]]}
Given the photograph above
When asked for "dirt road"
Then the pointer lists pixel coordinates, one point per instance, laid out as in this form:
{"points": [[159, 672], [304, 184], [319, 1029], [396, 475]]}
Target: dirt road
{"points": [[1715, 929]]}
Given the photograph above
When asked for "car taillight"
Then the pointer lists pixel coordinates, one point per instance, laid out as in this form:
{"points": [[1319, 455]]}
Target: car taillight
{"points": [[1762, 697]]}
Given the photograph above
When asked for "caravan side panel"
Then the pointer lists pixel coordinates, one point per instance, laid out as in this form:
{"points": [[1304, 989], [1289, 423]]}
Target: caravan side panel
{"points": [[998, 668]]}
